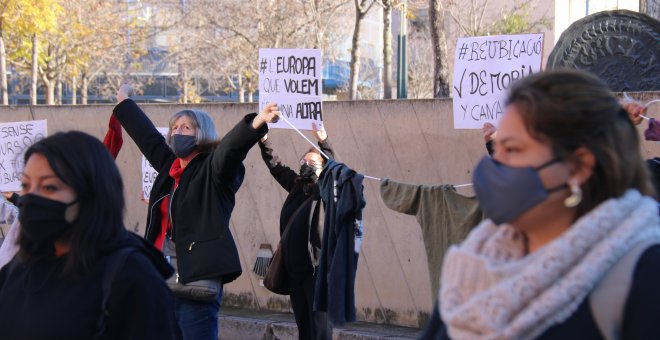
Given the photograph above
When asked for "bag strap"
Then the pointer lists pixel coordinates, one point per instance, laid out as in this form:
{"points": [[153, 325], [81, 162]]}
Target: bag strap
{"points": [[311, 219], [112, 268], [613, 290], [310, 246]]}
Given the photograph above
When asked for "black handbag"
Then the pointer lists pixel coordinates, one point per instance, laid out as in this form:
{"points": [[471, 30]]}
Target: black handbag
{"points": [[277, 279], [200, 290]]}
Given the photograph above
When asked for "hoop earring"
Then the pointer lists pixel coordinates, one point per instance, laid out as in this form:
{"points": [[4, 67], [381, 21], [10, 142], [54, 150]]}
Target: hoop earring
{"points": [[576, 195]]}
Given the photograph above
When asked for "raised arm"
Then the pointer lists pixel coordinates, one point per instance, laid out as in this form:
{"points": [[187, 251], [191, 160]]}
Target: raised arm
{"points": [[634, 109], [143, 132], [489, 131], [227, 158], [284, 175], [322, 140]]}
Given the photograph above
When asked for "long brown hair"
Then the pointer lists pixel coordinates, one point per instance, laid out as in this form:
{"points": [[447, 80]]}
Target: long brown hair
{"points": [[572, 109]]}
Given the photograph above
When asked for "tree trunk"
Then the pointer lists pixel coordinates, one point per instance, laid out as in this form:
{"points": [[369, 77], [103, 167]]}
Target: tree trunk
{"points": [[33, 84], [3, 70], [355, 55], [59, 89], [50, 92], [74, 87], [250, 96], [185, 85], [440, 67], [83, 90], [241, 90], [387, 48], [49, 83], [318, 42]]}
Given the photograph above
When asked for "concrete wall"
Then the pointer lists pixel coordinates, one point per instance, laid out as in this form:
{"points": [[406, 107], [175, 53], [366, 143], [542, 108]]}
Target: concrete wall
{"points": [[409, 141]]}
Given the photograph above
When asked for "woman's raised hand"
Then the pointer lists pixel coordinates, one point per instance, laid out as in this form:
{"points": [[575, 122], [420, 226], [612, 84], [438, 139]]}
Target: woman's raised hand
{"points": [[270, 114], [123, 92], [320, 134]]}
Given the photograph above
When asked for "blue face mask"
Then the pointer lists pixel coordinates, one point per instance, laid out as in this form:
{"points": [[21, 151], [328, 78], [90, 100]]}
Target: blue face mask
{"points": [[183, 145], [506, 192]]}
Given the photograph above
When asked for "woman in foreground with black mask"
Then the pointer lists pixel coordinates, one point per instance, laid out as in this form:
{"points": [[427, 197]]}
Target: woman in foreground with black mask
{"points": [[571, 222], [191, 202], [301, 209], [79, 273]]}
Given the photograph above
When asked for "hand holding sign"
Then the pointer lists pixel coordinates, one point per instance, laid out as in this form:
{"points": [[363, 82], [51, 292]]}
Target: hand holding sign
{"points": [[489, 131], [319, 133], [270, 114]]}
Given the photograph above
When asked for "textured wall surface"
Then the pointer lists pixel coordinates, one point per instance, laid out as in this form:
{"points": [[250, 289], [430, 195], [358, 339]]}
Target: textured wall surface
{"points": [[408, 141]]}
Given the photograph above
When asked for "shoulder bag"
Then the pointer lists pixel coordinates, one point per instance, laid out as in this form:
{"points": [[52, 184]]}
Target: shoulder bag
{"points": [[277, 279], [200, 290]]}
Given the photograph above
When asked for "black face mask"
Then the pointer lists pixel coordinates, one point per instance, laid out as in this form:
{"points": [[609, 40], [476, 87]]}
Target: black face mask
{"points": [[42, 220], [183, 145], [308, 173]]}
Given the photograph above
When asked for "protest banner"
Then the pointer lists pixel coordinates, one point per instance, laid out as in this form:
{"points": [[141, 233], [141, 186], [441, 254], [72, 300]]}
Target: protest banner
{"points": [[292, 79], [148, 172], [484, 68], [15, 138]]}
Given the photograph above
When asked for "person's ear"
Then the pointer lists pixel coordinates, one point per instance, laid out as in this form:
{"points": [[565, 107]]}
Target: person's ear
{"points": [[583, 163]]}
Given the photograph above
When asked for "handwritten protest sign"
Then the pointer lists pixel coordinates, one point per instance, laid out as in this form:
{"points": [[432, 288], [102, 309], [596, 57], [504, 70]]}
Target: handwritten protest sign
{"points": [[15, 138], [292, 79], [484, 68], [148, 172]]}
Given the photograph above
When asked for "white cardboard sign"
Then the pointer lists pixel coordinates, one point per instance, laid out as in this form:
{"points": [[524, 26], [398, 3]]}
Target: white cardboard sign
{"points": [[15, 138], [148, 172], [292, 79], [484, 68]]}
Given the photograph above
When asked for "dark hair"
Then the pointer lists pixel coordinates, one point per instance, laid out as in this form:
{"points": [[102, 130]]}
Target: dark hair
{"points": [[316, 151], [83, 163], [572, 109]]}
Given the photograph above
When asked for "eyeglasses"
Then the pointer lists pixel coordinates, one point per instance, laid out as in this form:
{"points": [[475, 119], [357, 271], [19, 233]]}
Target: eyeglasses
{"points": [[310, 163]]}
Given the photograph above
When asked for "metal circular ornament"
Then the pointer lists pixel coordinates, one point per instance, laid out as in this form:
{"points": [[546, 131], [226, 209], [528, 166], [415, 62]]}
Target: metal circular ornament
{"points": [[620, 47]]}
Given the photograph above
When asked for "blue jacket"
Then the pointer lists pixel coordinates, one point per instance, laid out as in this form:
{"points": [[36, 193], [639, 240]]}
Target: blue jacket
{"points": [[341, 191]]}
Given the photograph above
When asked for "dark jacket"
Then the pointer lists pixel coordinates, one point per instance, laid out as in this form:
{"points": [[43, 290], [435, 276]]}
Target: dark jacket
{"points": [[342, 193], [203, 202], [297, 257], [37, 302]]}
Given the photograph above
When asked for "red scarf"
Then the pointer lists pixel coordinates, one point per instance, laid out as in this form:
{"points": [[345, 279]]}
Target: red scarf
{"points": [[165, 223], [113, 139]]}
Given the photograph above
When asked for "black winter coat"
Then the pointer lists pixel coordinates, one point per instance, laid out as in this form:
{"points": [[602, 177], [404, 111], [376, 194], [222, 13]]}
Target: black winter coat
{"points": [[297, 258], [38, 302], [202, 204]]}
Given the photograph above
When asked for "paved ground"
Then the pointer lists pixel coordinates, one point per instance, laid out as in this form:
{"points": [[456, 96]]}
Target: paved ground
{"points": [[244, 324]]}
